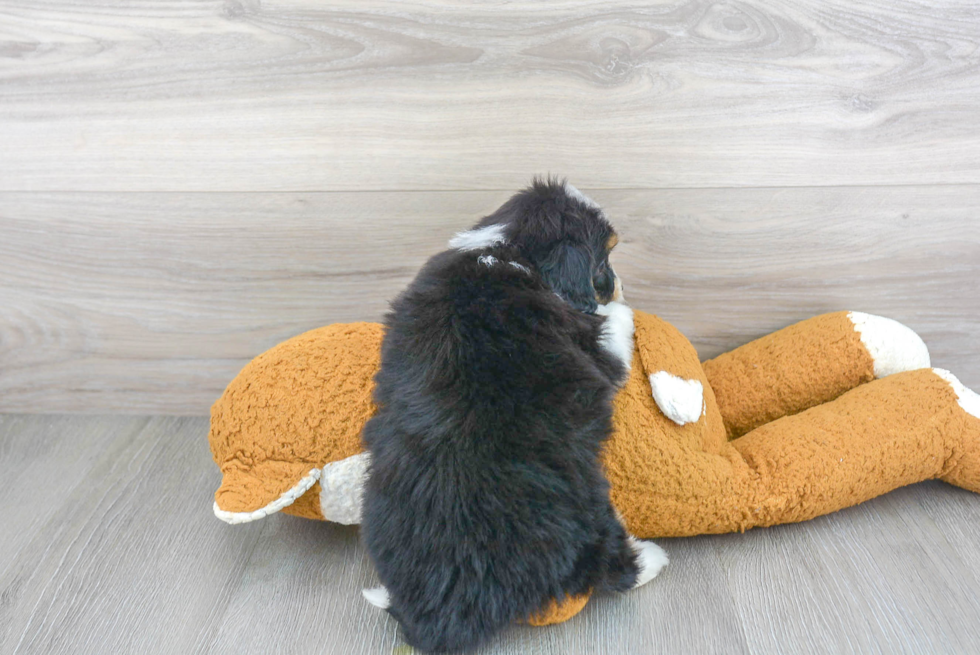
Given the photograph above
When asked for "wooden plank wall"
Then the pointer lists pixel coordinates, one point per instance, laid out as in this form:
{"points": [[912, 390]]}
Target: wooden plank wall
{"points": [[184, 184]]}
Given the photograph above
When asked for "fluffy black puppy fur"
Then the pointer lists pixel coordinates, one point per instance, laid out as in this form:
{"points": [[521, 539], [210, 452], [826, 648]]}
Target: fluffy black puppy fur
{"points": [[486, 497]]}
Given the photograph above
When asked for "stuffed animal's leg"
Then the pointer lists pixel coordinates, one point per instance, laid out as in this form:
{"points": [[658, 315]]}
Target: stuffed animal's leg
{"points": [[807, 364], [906, 428], [963, 466]]}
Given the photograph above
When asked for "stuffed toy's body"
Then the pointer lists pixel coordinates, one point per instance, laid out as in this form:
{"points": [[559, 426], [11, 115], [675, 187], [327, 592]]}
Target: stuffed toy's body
{"points": [[816, 417]]}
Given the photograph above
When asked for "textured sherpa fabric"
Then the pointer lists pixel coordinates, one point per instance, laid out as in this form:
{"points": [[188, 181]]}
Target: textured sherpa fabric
{"points": [[799, 367], [793, 426], [291, 410]]}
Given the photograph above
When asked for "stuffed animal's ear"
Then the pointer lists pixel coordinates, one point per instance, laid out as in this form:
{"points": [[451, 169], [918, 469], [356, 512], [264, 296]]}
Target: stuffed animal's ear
{"points": [[568, 271]]}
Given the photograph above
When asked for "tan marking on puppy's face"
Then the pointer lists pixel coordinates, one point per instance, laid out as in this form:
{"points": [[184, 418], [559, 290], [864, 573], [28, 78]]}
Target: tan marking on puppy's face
{"points": [[606, 283], [618, 291]]}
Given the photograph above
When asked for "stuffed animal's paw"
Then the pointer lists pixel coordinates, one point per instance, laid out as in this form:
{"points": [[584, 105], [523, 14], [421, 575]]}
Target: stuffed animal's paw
{"points": [[682, 401], [966, 398], [893, 347]]}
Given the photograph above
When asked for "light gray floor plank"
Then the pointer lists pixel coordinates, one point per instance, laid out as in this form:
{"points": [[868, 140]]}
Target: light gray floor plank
{"points": [[132, 560], [301, 593], [876, 578], [956, 515], [42, 459], [125, 556], [152, 302], [242, 95]]}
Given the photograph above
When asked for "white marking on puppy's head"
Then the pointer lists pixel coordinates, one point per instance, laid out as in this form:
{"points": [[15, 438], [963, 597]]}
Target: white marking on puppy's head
{"points": [[575, 194], [487, 260], [481, 237]]}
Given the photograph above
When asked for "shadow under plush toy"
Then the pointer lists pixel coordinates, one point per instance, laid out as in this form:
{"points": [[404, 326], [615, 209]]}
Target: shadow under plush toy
{"points": [[816, 417]]}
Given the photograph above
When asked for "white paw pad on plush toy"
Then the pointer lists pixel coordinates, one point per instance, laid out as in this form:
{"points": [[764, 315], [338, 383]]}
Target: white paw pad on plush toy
{"points": [[682, 401]]}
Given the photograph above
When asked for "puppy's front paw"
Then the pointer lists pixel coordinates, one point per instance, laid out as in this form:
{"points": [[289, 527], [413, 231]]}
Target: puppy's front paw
{"points": [[651, 558]]}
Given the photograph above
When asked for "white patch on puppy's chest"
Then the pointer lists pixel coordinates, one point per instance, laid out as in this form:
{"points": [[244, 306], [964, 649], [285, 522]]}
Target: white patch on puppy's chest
{"points": [[617, 331], [682, 401]]}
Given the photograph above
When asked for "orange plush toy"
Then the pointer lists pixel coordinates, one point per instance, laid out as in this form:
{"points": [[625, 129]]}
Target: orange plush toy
{"points": [[816, 417]]}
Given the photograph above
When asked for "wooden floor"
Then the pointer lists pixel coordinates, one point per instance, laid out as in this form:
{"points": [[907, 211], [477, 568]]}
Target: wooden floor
{"points": [[109, 546]]}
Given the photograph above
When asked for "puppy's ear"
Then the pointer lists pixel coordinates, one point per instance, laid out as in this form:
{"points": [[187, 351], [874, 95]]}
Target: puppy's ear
{"points": [[568, 271]]}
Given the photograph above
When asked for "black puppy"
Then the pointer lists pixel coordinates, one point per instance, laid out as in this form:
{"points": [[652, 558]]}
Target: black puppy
{"points": [[486, 497]]}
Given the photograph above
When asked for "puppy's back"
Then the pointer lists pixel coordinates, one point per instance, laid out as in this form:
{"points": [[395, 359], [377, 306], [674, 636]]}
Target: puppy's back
{"points": [[485, 474]]}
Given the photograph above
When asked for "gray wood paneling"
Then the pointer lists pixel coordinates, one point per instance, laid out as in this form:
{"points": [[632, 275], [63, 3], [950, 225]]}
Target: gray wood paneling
{"points": [[152, 302], [242, 95], [117, 552]]}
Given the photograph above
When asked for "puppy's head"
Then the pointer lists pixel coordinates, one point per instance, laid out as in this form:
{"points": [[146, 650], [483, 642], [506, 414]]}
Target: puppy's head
{"points": [[562, 233]]}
